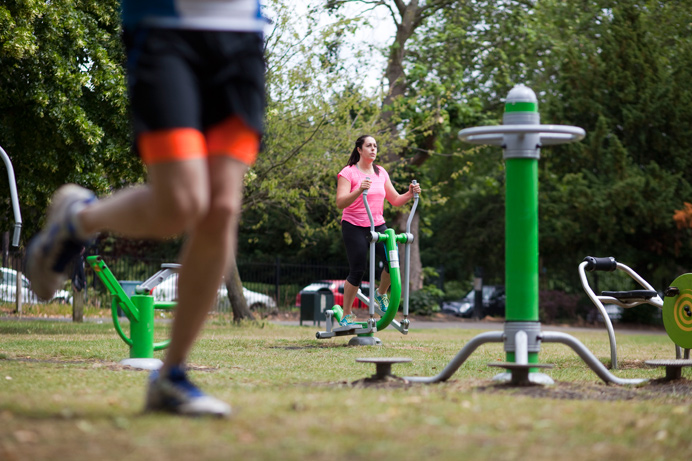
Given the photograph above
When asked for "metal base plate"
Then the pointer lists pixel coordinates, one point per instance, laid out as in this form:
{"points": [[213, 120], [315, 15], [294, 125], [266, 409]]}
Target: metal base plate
{"points": [[673, 367], [142, 364], [383, 366], [365, 341]]}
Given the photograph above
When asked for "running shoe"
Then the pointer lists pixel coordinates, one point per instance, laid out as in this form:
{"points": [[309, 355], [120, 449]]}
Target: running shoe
{"points": [[174, 393], [49, 254], [382, 300], [349, 319]]}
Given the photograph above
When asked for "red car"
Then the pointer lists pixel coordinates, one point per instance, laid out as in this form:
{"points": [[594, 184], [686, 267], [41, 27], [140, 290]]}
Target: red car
{"points": [[336, 287]]}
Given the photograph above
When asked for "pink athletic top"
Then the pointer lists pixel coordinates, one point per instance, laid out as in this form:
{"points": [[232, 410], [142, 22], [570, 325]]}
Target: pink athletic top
{"points": [[356, 213]]}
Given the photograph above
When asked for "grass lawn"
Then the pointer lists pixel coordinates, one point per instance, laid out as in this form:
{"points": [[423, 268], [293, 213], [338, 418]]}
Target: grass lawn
{"points": [[63, 396]]}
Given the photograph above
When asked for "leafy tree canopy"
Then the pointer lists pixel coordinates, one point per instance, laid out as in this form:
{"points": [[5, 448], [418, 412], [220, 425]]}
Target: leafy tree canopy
{"points": [[63, 105]]}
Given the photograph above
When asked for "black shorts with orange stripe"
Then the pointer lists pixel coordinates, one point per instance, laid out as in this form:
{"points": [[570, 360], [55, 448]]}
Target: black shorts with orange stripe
{"points": [[195, 93]]}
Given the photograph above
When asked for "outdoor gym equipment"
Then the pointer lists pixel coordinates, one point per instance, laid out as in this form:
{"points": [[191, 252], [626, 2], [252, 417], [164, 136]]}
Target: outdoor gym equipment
{"points": [[364, 332], [13, 196], [521, 136], [139, 310], [676, 306]]}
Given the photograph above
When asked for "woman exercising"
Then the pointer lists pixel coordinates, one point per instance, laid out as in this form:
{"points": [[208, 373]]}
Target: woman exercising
{"points": [[358, 175]]}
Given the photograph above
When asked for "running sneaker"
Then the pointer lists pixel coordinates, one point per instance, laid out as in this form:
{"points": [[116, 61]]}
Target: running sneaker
{"points": [[349, 319], [382, 300], [174, 393], [50, 252]]}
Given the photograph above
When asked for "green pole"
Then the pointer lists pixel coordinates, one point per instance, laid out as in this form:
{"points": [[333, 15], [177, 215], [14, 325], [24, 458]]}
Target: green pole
{"points": [[521, 240], [521, 154], [142, 330], [390, 245]]}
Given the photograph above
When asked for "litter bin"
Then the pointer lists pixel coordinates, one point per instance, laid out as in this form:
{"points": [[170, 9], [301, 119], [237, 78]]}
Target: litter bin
{"points": [[128, 287], [313, 303]]}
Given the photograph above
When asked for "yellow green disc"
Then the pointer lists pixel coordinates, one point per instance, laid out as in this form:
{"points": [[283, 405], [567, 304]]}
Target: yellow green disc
{"points": [[677, 321]]}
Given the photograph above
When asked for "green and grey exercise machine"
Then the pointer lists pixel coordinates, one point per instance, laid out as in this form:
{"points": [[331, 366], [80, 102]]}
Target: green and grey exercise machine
{"points": [[676, 306], [139, 310], [521, 137], [364, 332]]}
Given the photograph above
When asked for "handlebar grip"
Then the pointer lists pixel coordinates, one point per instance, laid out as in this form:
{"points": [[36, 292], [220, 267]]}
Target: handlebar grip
{"points": [[365, 192], [414, 182], [607, 264]]}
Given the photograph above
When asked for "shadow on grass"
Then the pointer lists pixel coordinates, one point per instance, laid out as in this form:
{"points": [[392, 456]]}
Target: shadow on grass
{"points": [[310, 346], [680, 390], [52, 328]]}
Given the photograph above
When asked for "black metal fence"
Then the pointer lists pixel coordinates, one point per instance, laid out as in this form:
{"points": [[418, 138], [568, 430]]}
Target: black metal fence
{"points": [[279, 279]]}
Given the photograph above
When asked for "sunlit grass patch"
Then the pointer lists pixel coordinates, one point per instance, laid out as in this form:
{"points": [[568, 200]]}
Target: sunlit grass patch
{"points": [[63, 395]]}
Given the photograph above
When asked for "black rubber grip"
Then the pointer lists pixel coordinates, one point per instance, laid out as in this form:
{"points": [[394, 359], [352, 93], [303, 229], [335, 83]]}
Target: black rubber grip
{"points": [[608, 264], [632, 294]]}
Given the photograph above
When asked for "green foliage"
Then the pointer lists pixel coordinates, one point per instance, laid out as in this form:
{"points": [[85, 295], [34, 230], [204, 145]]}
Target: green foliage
{"points": [[455, 289], [425, 301], [616, 192], [63, 105], [642, 315], [313, 118], [557, 305], [617, 69], [620, 70]]}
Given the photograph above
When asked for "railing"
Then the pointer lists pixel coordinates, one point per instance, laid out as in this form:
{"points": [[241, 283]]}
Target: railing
{"points": [[279, 279]]}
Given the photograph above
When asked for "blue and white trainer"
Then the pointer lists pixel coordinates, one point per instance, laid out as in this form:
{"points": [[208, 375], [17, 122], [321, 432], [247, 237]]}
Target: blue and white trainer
{"points": [[50, 252], [349, 319], [174, 393], [382, 300]]}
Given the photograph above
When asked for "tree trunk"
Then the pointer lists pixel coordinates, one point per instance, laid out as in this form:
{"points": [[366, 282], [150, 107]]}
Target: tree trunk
{"points": [[79, 285], [396, 77], [416, 270], [235, 294], [77, 305]]}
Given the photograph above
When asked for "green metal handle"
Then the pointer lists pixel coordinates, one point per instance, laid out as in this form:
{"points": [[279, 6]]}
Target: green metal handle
{"points": [[162, 345], [116, 322], [165, 305]]}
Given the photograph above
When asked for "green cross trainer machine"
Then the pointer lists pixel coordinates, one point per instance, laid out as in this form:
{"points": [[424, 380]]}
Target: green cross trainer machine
{"points": [[139, 310], [364, 332], [521, 137]]}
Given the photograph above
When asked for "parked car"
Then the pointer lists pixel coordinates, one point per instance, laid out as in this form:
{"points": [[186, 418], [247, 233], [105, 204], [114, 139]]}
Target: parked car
{"points": [[613, 310], [8, 289], [493, 303], [336, 287], [167, 291]]}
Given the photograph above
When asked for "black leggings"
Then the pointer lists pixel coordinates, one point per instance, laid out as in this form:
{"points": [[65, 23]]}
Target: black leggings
{"points": [[357, 241]]}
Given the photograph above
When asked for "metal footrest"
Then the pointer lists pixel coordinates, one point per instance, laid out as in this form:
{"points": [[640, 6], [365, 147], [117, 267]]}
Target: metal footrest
{"points": [[383, 366], [346, 330], [673, 367]]}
